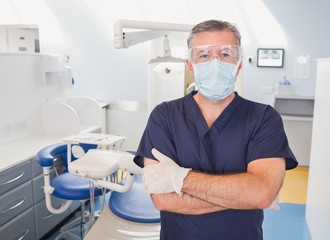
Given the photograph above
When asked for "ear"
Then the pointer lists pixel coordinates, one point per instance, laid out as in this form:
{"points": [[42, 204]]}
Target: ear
{"points": [[190, 67], [239, 68]]}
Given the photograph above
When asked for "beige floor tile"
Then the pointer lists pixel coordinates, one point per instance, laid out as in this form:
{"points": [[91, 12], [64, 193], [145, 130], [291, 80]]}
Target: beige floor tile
{"points": [[294, 189]]}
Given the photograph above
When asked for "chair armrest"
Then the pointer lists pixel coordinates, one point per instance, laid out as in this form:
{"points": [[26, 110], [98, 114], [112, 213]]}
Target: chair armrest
{"points": [[45, 156]]}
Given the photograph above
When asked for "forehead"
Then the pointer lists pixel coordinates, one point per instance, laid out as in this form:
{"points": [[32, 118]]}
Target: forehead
{"points": [[214, 38]]}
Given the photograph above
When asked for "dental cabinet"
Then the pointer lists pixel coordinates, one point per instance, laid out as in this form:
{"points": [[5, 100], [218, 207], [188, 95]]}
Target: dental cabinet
{"points": [[35, 112], [295, 106], [23, 210], [297, 114], [19, 38]]}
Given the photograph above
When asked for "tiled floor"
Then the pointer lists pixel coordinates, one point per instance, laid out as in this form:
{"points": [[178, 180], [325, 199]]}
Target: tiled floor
{"points": [[289, 223], [294, 189]]}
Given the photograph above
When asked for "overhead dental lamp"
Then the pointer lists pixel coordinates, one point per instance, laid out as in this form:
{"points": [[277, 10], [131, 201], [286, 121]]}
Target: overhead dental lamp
{"points": [[164, 66], [153, 30]]}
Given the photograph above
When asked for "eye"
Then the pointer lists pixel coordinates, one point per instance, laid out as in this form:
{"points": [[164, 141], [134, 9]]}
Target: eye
{"points": [[203, 55], [225, 52]]}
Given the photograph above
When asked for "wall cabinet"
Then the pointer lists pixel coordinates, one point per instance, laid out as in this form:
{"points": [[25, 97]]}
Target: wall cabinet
{"points": [[297, 114]]}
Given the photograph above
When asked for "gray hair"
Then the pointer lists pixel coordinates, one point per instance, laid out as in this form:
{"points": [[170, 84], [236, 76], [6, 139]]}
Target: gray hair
{"points": [[214, 25]]}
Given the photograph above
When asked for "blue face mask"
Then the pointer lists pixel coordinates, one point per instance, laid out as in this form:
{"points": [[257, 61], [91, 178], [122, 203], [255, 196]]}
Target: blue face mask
{"points": [[215, 79]]}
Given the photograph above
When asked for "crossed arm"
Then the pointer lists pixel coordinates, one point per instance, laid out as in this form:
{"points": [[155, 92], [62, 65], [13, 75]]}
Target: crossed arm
{"points": [[206, 193]]}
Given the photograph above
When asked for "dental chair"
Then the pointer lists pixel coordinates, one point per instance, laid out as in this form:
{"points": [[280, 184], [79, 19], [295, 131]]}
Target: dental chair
{"points": [[65, 186], [130, 214]]}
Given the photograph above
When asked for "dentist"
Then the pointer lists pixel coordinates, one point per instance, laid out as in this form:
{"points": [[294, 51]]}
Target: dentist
{"points": [[212, 159]]}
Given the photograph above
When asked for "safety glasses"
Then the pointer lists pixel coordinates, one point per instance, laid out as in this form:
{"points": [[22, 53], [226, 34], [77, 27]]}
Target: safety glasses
{"points": [[206, 53]]}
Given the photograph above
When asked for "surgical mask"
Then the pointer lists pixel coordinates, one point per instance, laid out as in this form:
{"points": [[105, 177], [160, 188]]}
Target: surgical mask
{"points": [[215, 79]]}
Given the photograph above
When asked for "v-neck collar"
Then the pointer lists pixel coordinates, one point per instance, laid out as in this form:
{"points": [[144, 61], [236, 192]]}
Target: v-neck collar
{"points": [[221, 121]]}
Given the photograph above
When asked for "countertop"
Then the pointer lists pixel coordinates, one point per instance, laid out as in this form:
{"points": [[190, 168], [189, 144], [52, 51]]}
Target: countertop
{"points": [[24, 148]]}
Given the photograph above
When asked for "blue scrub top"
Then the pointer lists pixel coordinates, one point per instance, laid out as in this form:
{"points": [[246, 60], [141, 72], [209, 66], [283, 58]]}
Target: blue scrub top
{"points": [[245, 131]]}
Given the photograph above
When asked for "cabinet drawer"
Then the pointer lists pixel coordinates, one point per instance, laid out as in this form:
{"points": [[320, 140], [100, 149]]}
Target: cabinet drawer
{"points": [[20, 227], [15, 176], [44, 220], [15, 202], [36, 168]]}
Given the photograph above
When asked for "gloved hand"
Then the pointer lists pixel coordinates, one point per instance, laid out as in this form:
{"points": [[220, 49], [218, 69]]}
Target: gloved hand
{"points": [[165, 176], [275, 204]]}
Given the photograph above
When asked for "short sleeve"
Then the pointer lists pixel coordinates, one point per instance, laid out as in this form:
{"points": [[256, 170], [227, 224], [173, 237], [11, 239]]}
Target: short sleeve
{"points": [[269, 139], [156, 135]]}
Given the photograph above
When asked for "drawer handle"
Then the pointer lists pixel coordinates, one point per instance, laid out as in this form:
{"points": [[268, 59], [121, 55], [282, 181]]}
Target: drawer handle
{"points": [[15, 206], [48, 216], [24, 234], [12, 180]]}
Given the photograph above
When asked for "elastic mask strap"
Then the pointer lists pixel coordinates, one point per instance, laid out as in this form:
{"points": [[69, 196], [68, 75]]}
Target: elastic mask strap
{"points": [[236, 67]]}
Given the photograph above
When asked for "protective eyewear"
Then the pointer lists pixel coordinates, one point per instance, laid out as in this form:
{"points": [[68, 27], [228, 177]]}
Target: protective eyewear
{"points": [[206, 53]]}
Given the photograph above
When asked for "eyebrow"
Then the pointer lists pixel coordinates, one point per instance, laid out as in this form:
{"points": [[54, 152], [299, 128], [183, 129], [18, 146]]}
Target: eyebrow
{"points": [[200, 51]]}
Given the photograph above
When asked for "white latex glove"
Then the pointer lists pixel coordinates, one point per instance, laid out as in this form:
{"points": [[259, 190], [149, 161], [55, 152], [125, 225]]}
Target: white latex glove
{"points": [[275, 205], [165, 176]]}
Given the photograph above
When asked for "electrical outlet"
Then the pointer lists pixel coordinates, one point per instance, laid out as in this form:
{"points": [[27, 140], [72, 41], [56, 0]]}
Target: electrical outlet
{"points": [[20, 126], [267, 90]]}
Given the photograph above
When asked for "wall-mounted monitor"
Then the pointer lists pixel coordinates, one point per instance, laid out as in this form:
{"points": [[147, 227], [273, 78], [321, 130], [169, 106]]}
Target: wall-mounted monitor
{"points": [[270, 57]]}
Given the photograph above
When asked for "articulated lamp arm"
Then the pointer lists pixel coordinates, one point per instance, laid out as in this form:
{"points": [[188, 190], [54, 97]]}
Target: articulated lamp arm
{"points": [[155, 29]]}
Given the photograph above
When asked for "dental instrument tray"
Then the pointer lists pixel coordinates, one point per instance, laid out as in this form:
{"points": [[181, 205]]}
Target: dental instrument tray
{"points": [[95, 138], [98, 163]]}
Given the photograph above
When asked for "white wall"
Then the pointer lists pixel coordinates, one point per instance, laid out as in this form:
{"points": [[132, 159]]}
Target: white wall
{"points": [[22, 90], [318, 197], [304, 33]]}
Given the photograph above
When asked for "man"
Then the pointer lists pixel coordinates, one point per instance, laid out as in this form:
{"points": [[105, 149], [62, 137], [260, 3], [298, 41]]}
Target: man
{"points": [[221, 158]]}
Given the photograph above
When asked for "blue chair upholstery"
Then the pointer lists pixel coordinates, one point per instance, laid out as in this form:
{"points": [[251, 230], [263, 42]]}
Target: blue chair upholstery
{"points": [[71, 187], [134, 205], [66, 185], [45, 156]]}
